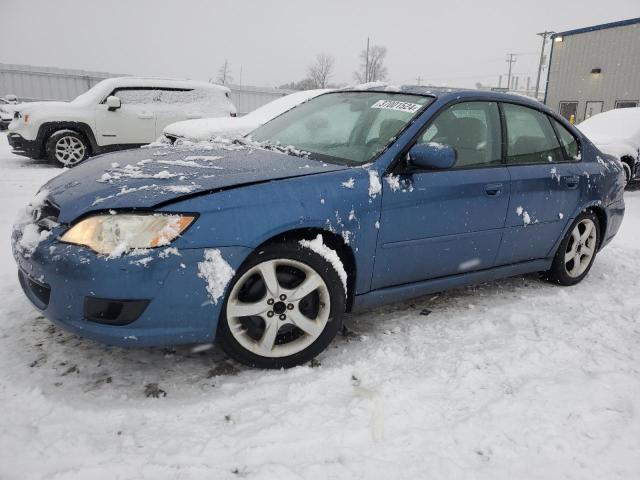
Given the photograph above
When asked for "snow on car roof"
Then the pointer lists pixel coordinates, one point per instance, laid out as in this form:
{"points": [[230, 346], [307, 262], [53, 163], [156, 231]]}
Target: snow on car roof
{"points": [[621, 123], [161, 83], [616, 132]]}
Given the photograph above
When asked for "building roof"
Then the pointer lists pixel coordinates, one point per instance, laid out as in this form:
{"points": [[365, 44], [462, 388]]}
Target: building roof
{"points": [[604, 26]]}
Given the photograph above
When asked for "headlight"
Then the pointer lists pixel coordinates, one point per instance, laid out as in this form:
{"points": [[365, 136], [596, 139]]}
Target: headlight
{"points": [[115, 234]]}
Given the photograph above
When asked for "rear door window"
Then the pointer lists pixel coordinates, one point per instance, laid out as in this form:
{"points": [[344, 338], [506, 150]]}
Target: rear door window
{"points": [[530, 137]]}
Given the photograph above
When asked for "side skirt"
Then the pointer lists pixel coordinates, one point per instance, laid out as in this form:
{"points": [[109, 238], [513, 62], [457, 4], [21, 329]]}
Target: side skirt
{"points": [[401, 293]]}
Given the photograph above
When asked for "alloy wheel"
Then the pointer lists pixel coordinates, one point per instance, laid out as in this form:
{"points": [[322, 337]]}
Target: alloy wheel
{"points": [[278, 308], [69, 150], [581, 248]]}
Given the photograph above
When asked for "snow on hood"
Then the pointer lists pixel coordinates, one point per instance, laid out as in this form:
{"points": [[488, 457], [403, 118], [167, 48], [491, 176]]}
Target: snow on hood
{"points": [[616, 132], [205, 129], [145, 177], [33, 106]]}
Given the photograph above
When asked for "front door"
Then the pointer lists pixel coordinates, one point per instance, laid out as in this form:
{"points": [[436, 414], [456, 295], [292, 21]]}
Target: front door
{"points": [[542, 158], [133, 123], [439, 223]]}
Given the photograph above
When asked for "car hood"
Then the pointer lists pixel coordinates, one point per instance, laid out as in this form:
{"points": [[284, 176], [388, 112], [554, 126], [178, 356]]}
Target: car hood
{"points": [[34, 106], [148, 177]]}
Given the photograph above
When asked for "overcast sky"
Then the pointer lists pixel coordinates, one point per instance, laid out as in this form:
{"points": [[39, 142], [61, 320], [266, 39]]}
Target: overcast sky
{"points": [[452, 42]]}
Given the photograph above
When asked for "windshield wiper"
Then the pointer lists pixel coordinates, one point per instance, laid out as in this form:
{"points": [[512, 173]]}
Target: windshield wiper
{"points": [[288, 150]]}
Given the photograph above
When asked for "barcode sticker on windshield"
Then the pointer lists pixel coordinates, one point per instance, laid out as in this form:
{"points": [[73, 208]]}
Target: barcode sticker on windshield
{"points": [[395, 105]]}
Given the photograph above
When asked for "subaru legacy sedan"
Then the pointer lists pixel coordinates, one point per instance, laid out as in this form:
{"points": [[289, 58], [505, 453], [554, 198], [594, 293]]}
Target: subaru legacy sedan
{"points": [[355, 199]]}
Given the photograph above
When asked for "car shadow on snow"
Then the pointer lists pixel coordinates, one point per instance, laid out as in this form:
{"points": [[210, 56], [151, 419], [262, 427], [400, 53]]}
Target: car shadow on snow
{"points": [[71, 365]]}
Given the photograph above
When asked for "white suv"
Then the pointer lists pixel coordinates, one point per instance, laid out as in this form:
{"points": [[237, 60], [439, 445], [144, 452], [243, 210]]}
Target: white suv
{"points": [[116, 113]]}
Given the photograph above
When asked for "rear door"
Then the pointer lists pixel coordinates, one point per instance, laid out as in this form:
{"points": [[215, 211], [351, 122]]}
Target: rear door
{"points": [[440, 223], [542, 158], [133, 123]]}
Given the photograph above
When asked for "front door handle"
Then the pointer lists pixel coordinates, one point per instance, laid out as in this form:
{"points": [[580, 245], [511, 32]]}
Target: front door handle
{"points": [[145, 116], [493, 189], [572, 181]]}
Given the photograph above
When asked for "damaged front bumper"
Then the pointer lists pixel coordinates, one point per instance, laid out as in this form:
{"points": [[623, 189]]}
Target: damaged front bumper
{"points": [[123, 301]]}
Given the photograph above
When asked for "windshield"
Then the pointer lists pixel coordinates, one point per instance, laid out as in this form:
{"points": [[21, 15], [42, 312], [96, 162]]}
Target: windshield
{"points": [[343, 127]]}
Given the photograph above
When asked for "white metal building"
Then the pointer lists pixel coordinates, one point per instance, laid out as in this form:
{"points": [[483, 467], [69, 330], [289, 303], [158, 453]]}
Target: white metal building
{"points": [[31, 83], [595, 69]]}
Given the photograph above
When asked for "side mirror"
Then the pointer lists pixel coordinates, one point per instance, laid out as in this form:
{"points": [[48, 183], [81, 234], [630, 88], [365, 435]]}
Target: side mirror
{"points": [[431, 156], [113, 103]]}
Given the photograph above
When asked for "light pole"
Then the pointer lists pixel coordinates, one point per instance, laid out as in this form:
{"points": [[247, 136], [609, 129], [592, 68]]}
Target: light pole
{"points": [[544, 36], [511, 60]]}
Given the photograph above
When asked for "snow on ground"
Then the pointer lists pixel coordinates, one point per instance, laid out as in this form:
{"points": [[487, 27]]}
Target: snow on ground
{"points": [[509, 379]]}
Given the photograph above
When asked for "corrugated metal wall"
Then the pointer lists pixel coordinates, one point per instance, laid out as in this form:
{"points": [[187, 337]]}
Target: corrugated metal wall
{"points": [[247, 98], [31, 83], [614, 50]]}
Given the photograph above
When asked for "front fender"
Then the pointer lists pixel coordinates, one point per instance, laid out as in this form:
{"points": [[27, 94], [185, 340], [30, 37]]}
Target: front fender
{"points": [[248, 216]]}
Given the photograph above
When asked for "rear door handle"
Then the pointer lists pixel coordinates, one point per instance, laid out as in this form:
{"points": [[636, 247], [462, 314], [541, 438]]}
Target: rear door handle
{"points": [[572, 181], [145, 116], [493, 189]]}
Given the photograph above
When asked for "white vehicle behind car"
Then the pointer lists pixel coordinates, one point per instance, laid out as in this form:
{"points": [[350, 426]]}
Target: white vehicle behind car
{"points": [[7, 107], [207, 129], [617, 133], [116, 113]]}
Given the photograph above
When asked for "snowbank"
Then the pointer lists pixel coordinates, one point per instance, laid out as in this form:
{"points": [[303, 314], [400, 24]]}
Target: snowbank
{"points": [[516, 379]]}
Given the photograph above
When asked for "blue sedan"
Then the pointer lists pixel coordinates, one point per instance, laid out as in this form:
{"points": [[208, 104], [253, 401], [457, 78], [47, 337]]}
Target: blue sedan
{"points": [[354, 199]]}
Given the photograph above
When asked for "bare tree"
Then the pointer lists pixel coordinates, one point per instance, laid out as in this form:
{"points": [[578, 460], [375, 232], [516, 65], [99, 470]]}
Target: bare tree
{"points": [[224, 73], [321, 71], [372, 68]]}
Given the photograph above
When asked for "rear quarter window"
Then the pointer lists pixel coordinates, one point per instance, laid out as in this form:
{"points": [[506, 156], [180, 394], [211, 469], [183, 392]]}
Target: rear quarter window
{"points": [[568, 141]]}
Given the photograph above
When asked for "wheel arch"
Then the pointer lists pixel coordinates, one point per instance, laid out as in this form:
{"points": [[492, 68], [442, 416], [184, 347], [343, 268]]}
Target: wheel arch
{"points": [[602, 220], [333, 241], [49, 128], [632, 163]]}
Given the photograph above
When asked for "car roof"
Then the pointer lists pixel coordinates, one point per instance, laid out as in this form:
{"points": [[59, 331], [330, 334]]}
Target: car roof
{"points": [[448, 93]]}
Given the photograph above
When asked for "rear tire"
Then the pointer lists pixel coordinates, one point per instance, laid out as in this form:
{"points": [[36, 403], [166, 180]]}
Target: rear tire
{"points": [[577, 251], [284, 307], [67, 148]]}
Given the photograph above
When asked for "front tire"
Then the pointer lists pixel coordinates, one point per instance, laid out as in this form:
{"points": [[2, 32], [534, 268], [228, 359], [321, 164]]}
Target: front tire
{"points": [[577, 251], [67, 148], [283, 308]]}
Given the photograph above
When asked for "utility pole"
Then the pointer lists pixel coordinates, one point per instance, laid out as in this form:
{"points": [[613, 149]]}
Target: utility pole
{"points": [[544, 36], [510, 60], [419, 80], [366, 64]]}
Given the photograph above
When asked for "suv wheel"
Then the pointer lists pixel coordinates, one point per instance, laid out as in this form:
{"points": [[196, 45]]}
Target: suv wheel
{"points": [[283, 308], [67, 148]]}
